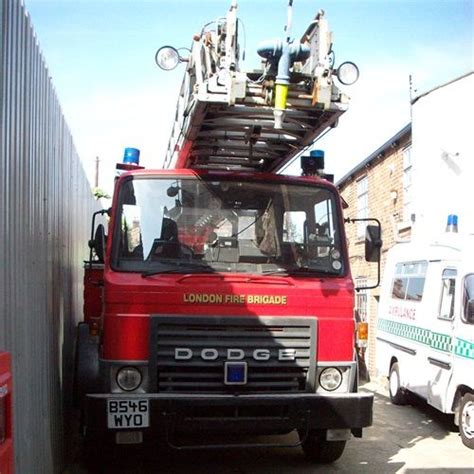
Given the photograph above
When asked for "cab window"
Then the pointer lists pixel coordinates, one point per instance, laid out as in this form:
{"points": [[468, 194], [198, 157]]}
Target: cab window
{"points": [[178, 225]]}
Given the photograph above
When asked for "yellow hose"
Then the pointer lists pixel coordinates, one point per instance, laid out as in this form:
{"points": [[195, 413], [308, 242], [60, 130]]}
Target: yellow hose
{"points": [[281, 93]]}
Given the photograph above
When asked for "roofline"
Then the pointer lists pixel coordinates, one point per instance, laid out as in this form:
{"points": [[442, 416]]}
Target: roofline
{"points": [[373, 156], [173, 173], [441, 86]]}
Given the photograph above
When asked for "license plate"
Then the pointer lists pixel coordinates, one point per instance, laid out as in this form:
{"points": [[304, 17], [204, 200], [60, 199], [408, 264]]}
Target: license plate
{"points": [[123, 414]]}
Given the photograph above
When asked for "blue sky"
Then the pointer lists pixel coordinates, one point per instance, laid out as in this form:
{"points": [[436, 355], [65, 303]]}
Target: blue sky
{"points": [[101, 58]]}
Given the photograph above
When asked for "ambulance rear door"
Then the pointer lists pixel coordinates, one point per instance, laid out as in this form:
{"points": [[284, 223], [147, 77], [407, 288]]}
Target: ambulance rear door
{"points": [[439, 360]]}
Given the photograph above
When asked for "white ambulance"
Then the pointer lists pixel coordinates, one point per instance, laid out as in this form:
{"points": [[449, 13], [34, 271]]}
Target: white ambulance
{"points": [[425, 333]]}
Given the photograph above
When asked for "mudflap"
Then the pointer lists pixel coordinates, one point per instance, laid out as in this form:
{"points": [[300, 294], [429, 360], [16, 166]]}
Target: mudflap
{"points": [[363, 371], [86, 369]]}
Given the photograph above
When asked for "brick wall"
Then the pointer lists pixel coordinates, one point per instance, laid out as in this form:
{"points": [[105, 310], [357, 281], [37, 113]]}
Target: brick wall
{"points": [[385, 203]]}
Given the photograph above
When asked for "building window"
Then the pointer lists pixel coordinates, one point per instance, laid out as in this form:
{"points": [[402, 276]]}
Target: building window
{"points": [[362, 205], [407, 184]]}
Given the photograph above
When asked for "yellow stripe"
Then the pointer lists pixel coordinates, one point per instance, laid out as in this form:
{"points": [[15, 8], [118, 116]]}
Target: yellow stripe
{"points": [[281, 93]]}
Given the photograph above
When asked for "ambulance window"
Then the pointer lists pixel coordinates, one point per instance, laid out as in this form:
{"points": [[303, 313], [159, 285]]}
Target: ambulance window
{"points": [[399, 269], [468, 294], [446, 308], [415, 288], [409, 281], [399, 288]]}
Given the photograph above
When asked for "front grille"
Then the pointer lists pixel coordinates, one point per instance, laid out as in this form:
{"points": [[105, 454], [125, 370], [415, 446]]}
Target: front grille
{"points": [[271, 334]]}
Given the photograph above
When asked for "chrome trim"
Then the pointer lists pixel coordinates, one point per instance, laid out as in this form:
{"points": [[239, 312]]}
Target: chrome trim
{"points": [[408, 350]]}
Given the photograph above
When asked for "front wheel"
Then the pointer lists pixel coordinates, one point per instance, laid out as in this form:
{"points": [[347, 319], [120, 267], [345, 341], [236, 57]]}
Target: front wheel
{"points": [[318, 449], [398, 395], [466, 420]]}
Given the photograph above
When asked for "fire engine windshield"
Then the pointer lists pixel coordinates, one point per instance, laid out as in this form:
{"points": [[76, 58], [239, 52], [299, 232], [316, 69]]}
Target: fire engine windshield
{"points": [[195, 225]]}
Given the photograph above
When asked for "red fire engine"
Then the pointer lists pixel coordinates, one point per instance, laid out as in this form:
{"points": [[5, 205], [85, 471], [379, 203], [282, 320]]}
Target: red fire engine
{"points": [[221, 299]]}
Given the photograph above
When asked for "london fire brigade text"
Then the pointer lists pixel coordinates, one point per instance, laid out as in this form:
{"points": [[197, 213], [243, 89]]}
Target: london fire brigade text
{"points": [[217, 298]]}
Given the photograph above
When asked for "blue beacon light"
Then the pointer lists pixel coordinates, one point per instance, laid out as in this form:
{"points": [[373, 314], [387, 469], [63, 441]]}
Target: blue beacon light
{"points": [[452, 225], [131, 156], [130, 162]]}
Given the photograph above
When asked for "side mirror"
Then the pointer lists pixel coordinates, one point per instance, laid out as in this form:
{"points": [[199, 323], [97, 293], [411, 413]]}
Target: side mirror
{"points": [[373, 243], [373, 246], [470, 312], [99, 242]]}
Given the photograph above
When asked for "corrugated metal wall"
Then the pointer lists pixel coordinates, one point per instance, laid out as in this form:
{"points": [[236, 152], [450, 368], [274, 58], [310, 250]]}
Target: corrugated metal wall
{"points": [[45, 210]]}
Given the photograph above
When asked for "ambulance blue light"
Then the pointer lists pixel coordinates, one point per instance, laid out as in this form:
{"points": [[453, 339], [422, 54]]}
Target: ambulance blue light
{"points": [[131, 156], [452, 225]]}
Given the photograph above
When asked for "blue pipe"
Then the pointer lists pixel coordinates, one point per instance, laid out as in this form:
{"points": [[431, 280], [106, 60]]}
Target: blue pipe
{"points": [[285, 54]]}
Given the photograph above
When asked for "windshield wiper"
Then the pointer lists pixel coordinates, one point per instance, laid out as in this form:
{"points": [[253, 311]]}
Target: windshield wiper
{"points": [[299, 270], [177, 267]]}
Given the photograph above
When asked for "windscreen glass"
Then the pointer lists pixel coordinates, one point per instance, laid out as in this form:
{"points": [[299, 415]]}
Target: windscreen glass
{"points": [[186, 225]]}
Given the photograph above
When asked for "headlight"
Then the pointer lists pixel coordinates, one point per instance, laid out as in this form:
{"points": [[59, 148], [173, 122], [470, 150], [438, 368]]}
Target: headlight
{"points": [[167, 58], [347, 73], [330, 379], [129, 378]]}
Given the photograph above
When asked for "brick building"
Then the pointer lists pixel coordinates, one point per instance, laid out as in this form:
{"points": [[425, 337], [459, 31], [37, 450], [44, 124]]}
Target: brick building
{"points": [[379, 187]]}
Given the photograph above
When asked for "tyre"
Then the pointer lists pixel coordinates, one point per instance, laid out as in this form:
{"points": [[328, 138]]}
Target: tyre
{"points": [[398, 395], [317, 449], [466, 420]]}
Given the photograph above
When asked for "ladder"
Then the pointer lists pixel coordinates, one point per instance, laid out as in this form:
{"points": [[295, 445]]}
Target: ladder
{"points": [[227, 118]]}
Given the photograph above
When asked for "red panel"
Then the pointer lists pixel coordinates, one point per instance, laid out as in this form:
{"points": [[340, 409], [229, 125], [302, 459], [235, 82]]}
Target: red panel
{"points": [[183, 155], [6, 439], [126, 336], [93, 291], [336, 339], [130, 299]]}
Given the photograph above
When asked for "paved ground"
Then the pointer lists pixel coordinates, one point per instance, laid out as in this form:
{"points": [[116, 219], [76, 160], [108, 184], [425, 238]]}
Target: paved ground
{"points": [[410, 439]]}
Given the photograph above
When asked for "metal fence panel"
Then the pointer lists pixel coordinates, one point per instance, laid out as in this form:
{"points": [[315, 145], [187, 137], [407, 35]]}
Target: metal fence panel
{"points": [[44, 221]]}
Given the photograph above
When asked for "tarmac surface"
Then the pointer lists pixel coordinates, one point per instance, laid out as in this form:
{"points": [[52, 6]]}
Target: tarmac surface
{"points": [[413, 439]]}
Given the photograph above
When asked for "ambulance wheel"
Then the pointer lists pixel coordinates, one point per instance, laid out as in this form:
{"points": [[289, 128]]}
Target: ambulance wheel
{"points": [[317, 449], [466, 420], [398, 395]]}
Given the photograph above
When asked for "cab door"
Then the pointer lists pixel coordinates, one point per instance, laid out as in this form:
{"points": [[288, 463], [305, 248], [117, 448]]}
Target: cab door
{"points": [[440, 356]]}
